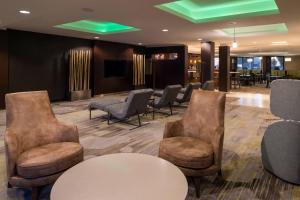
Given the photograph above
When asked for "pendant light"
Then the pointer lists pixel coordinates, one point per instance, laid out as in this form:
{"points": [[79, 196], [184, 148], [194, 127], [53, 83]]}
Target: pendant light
{"points": [[234, 44]]}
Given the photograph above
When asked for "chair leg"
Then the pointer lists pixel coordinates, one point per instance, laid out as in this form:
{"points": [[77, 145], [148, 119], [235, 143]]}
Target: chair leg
{"points": [[170, 105], [108, 118], [153, 113], [196, 182], [139, 120], [90, 114], [9, 185], [220, 173], [35, 193]]}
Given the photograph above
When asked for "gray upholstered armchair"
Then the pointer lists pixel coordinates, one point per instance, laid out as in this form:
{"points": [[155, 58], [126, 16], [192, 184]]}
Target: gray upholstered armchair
{"points": [[209, 85], [281, 143], [185, 94], [38, 147], [135, 104], [165, 98]]}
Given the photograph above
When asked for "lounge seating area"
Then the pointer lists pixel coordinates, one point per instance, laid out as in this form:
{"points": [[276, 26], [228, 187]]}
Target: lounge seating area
{"points": [[149, 100]]}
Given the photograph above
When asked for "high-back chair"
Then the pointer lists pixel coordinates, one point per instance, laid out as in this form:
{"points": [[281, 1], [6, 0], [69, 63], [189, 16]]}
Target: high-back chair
{"points": [[280, 145], [167, 98], [135, 104], [195, 143], [38, 147], [209, 85], [187, 93]]}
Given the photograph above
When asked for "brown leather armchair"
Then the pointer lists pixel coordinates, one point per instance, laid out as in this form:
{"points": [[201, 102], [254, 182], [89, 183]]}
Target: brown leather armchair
{"points": [[38, 147], [195, 143]]}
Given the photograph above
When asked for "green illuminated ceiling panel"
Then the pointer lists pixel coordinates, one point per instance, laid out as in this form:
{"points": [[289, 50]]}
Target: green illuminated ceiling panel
{"points": [[98, 27], [256, 30], [201, 11]]}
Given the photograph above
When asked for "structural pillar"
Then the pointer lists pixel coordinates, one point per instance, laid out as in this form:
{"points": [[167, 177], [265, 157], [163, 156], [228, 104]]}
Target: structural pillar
{"points": [[207, 61], [224, 68]]}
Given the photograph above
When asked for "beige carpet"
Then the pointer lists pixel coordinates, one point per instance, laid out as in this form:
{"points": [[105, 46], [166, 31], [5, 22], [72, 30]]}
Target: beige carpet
{"points": [[247, 116]]}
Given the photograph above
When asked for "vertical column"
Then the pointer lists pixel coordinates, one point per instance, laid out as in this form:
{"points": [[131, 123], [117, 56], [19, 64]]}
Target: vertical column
{"points": [[207, 61], [4, 85], [224, 68]]}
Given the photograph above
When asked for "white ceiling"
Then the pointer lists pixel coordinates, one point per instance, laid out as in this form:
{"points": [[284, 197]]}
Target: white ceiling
{"points": [[142, 14]]}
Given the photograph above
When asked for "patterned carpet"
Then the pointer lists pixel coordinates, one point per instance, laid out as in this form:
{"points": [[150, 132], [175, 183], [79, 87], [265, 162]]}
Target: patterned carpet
{"points": [[247, 116]]}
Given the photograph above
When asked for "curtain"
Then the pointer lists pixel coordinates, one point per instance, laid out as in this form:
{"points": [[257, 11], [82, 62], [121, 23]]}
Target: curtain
{"points": [[79, 69], [138, 69]]}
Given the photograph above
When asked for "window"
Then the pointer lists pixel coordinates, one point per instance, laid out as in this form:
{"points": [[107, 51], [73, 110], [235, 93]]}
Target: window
{"points": [[249, 63], [277, 63]]}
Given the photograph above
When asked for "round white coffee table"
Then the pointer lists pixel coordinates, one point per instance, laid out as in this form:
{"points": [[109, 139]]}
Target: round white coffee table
{"points": [[123, 176]]}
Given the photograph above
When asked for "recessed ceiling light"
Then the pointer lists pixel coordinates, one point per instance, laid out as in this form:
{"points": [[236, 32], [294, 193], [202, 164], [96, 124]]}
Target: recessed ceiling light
{"points": [[202, 11], [26, 12], [96, 37], [165, 30], [140, 43], [97, 27], [199, 39]]}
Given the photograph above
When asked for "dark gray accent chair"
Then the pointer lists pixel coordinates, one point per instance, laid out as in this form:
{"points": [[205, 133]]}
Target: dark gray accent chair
{"points": [[280, 146], [135, 104], [209, 85], [185, 93], [102, 104], [167, 99]]}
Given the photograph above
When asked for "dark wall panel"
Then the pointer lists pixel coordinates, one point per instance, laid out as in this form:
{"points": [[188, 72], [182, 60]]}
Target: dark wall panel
{"points": [[112, 51], [38, 62], [3, 67], [168, 72]]}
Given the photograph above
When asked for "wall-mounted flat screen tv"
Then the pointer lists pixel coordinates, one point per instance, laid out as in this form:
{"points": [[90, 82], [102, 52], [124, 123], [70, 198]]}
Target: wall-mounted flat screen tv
{"points": [[115, 68]]}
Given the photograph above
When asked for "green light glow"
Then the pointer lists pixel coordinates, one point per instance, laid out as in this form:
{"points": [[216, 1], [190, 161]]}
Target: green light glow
{"points": [[201, 11], [256, 30], [98, 27]]}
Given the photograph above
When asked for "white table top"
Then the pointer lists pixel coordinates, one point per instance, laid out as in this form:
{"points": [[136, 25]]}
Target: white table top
{"points": [[123, 176]]}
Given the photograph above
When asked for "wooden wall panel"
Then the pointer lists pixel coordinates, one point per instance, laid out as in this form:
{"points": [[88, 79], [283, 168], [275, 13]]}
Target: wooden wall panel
{"points": [[4, 86], [207, 61], [224, 68], [112, 51], [168, 72], [38, 62]]}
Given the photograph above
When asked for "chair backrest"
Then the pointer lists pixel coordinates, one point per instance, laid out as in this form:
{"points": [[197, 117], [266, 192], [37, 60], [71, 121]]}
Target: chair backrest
{"points": [[137, 101], [28, 115], [169, 95], [280, 145], [189, 90], [204, 119], [209, 85], [285, 99]]}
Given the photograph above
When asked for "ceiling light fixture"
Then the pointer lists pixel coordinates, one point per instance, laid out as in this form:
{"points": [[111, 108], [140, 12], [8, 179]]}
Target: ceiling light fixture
{"points": [[234, 44], [96, 38], [26, 12], [199, 39], [140, 43], [165, 30]]}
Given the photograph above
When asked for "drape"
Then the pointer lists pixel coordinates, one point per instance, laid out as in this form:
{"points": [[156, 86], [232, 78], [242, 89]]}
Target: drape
{"points": [[79, 69], [138, 69]]}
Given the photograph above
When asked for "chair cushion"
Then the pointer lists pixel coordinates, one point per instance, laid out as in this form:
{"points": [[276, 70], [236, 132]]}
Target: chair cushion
{"points": [[49, 159], [187, 152], [102, 104]]}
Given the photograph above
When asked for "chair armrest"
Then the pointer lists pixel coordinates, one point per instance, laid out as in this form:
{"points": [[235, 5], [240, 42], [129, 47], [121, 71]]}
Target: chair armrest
{"points": [[158, 93], [173, 129], [182, 90], [66, 133], [12, 152]]}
